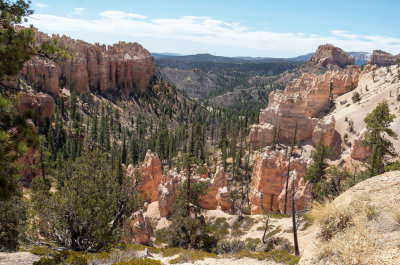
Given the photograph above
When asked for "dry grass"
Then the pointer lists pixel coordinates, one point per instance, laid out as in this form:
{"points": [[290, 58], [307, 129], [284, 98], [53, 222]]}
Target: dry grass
{"points": [[396, 215], [347, 232], [356, 245], [331, 218]]}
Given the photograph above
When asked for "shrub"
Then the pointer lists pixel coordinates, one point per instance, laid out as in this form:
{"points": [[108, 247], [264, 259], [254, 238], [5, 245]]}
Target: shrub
{"points": [[140, 262], [278, 243], [162, 236], [371, 212], [219, 228], [283, 256], [356, 97], [42, 251], [243, 224], [191, 256], [252, 243], [230, 246], [306, 221], [331, 218]]}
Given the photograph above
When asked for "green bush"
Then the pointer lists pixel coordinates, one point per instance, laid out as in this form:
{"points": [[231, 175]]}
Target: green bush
{"points": [[42, 251], [191, 256], [230, 246], [252, 243], [162, 236], [140, 262]]}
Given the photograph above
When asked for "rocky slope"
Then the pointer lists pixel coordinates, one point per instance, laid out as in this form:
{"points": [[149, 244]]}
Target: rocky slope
{"points": [[122, 68], [316, 110], [372, 234]]}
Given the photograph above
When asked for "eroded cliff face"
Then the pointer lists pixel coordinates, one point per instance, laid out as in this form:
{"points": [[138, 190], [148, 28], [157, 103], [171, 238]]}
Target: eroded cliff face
{"points": [[122, 67], [148, 176], [302, 102], [381, 58], [269, 179], [329, 54], [168, 191], [41, 104]]}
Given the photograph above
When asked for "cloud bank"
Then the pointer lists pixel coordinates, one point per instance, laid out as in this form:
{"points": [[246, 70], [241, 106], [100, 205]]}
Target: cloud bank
{"points": [[206, 33]]}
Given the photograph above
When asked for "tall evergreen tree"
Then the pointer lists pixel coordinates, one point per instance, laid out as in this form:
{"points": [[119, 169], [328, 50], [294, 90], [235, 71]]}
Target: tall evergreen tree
{"points": [[378, 126]]}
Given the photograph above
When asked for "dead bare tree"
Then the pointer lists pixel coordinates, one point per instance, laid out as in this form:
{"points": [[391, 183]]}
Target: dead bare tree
{"points": [[288, 168], [266, 228], [294, 223]]}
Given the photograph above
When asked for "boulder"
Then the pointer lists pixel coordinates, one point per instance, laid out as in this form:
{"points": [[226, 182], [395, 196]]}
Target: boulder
{"points": [[141, 229], [329, 54]]}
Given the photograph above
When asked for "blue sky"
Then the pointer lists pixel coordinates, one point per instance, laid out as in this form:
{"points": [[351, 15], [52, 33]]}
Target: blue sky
{"points": [[228, 28]]}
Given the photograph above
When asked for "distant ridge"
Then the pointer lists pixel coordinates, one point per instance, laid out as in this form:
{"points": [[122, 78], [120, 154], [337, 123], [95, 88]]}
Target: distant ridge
{"points": [[359, 57]]}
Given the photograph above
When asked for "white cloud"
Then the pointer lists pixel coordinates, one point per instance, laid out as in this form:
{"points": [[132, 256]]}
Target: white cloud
{"points": [[40, 5], [120, 14], [78, 11], [208, 33]]}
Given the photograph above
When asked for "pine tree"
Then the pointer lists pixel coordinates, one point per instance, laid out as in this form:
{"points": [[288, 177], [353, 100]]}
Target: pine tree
{"points": [[378, 125], [124, 150], [315, 173], [134, 151]]}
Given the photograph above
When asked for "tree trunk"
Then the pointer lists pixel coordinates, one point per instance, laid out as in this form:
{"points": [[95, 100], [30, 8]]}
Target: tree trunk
{"points": [[296, 244]]}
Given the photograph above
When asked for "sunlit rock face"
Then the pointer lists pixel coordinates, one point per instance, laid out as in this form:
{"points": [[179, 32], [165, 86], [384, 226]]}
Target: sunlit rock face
{"points": [[269, 179], [381, 58], [119, 68], [329, 54]]}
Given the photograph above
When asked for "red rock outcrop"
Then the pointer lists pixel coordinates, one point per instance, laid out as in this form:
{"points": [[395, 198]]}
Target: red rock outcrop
{"points": [[302, 195], [122, 67], [26, 162], [269, 178], [45, 72], [41, 104], [150, 175], [224, 199], [358, 152], [381, 58], [329, 54], [209, 201], [300, 102], [217, 197], [168, 191], [141, 228], [326, 128]]}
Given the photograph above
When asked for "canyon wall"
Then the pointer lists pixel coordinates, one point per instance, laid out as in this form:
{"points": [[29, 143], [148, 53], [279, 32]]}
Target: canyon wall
{"points": [[381, 58], [122, 67]]}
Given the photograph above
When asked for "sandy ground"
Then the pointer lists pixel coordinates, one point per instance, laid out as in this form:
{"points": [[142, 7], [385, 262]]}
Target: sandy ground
{"points": [[18, 258], [384, 87]]}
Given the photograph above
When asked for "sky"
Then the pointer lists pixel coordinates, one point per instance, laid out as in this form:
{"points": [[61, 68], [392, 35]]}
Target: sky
{"points": [[257, 28]]}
